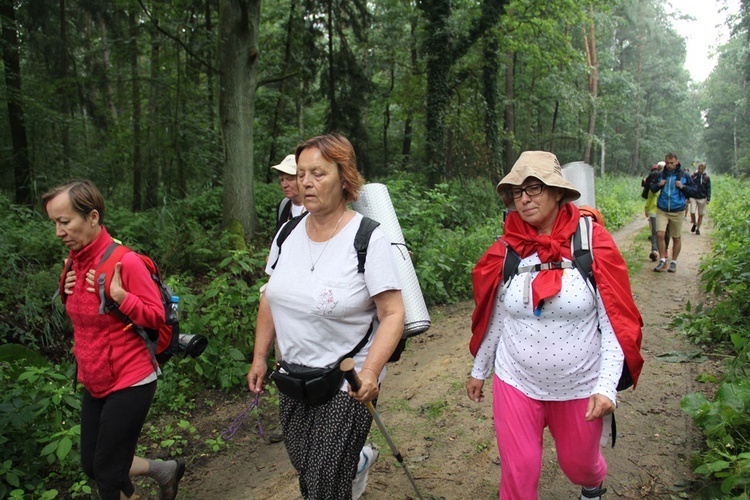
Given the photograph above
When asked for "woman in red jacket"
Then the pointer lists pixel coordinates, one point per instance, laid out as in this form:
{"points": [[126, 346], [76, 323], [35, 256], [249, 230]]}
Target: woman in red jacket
{"points": [[114, 365]]}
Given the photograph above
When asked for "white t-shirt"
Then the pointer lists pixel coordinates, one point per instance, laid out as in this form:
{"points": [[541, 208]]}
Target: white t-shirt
{"points": [[297, 209], [569, 351], [321, 315]]}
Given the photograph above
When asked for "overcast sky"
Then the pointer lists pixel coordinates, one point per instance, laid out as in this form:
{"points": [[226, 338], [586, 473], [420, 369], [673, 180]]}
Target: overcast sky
{"points": [[704, 34]]}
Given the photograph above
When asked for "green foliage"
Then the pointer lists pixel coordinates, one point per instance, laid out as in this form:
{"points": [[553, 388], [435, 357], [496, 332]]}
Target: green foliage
{"points": [[618, 198], [39, 434], [225, 312], [32, 258], [725, 422], [725, 273]]}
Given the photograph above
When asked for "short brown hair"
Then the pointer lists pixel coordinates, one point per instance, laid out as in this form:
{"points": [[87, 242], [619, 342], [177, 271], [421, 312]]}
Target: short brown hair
{"points": [[671, 155], [84, 196], [336, 148]]}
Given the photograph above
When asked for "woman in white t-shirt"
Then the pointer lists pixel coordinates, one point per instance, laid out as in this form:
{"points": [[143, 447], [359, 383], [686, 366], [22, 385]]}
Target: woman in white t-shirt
{"points": [[319, 308]]}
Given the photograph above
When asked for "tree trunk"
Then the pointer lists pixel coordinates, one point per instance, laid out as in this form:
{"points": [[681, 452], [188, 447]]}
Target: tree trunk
{"points": [[136, 98], [273, 156], [509, 116], [22, 170], [63, 92], [438, 89], [238, 56], [590, 42], [210, 85], [443, 51], [635, 159], [490, 69], [334, 113], [155, 153]]}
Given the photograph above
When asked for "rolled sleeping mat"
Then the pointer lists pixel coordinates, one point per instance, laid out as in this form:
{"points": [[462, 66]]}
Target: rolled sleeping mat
{"points": [[375, 202]]}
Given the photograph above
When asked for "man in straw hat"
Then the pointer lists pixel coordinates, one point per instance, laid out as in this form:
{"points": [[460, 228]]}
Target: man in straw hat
{"points": [[558, 350], [291, 205]]}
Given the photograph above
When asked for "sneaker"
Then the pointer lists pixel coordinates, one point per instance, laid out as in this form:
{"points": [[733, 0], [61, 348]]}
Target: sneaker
{"points": [[168, 490], [672, 267], [661, 266], [654, 256], [367, 457], [697, 232], [595, 493], [692, 229]]}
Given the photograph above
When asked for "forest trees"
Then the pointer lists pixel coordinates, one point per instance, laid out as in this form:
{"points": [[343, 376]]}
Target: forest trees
{"points": [[157, 100]]}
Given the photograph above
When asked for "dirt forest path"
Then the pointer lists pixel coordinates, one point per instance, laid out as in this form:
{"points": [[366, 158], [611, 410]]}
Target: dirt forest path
{"points": [[448, 441]]}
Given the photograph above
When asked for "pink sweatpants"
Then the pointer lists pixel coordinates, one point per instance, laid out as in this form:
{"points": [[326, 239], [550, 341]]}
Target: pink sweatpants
{"points": [[519, 426]]}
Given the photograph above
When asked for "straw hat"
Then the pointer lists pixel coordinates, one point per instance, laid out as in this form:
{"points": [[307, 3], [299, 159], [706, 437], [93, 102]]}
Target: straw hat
{"points": [[541, 165], [287, 166]]}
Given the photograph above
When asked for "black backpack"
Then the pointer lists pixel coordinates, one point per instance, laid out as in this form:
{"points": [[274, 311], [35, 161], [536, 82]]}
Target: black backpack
{"points": [[361, 242], [582, 260]]}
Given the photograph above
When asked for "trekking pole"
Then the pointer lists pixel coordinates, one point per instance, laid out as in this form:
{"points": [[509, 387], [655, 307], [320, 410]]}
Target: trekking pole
{"points": [[347, 366]]}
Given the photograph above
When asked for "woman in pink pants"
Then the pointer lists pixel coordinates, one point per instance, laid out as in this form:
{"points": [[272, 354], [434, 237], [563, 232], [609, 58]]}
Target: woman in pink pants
{"points": [[557, 344]]}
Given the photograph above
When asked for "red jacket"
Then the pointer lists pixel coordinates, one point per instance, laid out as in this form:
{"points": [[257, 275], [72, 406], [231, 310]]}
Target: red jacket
{"points": [[110, 358], [611, 275]]}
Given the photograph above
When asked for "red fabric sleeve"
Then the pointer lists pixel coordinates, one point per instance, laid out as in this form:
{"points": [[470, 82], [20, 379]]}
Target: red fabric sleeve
{"points": [[486, 277], [613, 283]]}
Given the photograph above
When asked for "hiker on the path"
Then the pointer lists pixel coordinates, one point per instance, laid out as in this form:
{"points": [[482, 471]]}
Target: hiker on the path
{"points": [[291, 205], [114, 365], [700, 201], [321, 309], [650, 208], [674, 187], [557, 349]]}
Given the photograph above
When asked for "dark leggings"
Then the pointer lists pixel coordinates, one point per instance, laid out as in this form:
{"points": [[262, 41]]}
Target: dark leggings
{"points": [[110, 427]]}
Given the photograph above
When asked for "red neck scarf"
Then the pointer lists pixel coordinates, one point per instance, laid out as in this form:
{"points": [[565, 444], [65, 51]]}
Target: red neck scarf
{"points": [[523, 238]]}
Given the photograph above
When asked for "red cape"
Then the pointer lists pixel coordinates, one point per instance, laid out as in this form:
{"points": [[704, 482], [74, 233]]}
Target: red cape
{"points": [[611, 275]]}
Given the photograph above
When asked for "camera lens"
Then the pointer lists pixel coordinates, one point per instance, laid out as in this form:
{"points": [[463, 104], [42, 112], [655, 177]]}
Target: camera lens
{"points": [[193, 345]]}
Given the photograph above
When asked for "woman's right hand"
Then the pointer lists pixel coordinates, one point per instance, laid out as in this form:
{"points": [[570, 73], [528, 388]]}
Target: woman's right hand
{"points": [[474, 389], [70, 280], [257, 376]]}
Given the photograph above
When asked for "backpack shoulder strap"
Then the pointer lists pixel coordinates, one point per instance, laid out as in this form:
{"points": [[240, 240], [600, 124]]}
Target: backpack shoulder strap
{"points": [[103, 275], [581, 252], [362, 241], [510, 264], [283, 211], [284, 233]]}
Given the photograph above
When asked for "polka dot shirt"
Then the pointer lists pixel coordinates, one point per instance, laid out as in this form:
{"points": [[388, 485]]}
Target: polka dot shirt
{"points": [[569, 351]]}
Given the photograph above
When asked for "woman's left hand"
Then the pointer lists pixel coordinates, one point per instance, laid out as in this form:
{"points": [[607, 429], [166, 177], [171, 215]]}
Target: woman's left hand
{"points": [[368, 390], [116, 291], [599, 405]]}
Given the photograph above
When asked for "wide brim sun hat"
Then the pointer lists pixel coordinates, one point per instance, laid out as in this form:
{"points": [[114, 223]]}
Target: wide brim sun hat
{"points": [[541, 165], [287, 166]]}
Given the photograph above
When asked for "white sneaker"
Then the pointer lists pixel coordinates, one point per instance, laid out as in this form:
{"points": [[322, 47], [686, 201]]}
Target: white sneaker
{"points": [[367, 457]]}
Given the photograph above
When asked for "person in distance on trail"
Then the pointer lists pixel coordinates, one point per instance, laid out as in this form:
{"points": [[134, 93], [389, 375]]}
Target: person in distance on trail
{"points": [[700, 201], [114, 365], [650, 208], [291, 205], [673, 186], [557, 348], [322, 310]]}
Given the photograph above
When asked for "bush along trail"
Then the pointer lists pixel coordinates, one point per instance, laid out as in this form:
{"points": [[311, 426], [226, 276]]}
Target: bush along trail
{"points": [[447, 441]]}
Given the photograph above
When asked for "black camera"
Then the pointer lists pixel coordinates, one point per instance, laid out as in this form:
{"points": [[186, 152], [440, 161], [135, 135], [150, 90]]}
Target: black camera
{"points": [[192, 345]]}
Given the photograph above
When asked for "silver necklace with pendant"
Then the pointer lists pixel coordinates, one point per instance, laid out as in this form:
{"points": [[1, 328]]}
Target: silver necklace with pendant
{"points": [[309, 244]]}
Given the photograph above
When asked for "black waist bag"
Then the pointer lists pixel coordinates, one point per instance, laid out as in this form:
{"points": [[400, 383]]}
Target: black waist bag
{"points": [[313, 386]]}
